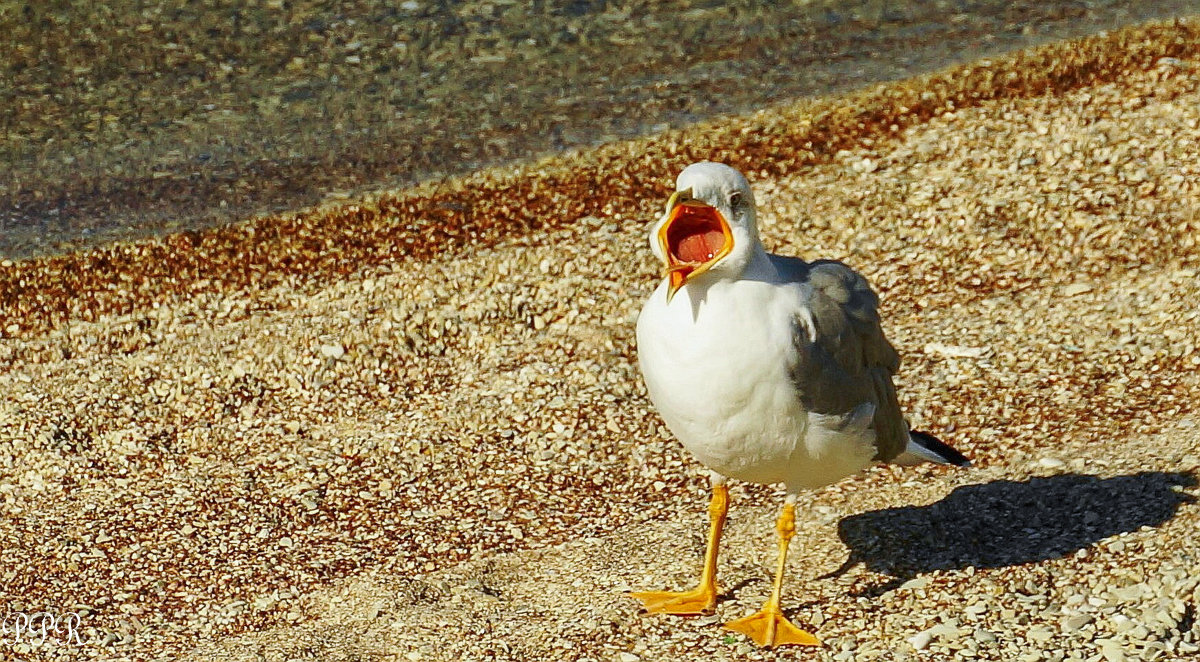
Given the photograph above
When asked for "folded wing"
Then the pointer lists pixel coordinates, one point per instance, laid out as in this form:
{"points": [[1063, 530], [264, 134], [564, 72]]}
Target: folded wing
{"points": [[842, 357]]}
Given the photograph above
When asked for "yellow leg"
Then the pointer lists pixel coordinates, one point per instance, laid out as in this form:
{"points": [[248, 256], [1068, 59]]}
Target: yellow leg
{"points": [[769, 627], [704, 597]]}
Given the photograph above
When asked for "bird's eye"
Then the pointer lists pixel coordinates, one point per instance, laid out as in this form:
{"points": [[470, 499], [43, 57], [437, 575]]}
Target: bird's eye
{"points": [[735, 199]]}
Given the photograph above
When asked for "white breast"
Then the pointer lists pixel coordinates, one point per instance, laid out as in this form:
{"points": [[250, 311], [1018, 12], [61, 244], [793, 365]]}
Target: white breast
{"points": [[717, 370]]}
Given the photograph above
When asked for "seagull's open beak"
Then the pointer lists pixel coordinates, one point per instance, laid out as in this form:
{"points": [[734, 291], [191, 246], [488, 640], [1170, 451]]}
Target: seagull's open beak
{"points": [[694, 238]]}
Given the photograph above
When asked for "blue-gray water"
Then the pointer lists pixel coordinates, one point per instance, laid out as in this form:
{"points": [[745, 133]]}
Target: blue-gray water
{"points": [[125, 120]]}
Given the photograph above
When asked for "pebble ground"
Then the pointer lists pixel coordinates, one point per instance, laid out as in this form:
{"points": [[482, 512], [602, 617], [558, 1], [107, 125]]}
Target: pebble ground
{"points": [[449, 455]]}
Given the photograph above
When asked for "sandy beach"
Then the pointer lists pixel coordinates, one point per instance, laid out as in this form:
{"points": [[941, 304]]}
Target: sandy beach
{"points": [[410, 426]]}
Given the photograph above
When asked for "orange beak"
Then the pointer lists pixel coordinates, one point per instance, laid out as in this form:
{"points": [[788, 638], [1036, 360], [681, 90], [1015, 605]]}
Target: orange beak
{"points": [[694, 238]]}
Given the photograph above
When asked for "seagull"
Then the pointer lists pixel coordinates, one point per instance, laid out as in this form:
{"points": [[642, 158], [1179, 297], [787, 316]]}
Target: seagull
{"points": [[768, 369]]}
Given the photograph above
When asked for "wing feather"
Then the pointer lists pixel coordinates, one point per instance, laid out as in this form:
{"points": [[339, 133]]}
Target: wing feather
{"points": [[843, 359]]}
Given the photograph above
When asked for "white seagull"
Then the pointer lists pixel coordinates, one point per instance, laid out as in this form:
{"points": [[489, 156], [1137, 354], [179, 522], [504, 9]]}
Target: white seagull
{"points": [[768, 368]]}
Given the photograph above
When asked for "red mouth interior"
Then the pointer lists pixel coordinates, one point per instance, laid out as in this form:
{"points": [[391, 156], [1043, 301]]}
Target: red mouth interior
{"points": [[695, 234]]}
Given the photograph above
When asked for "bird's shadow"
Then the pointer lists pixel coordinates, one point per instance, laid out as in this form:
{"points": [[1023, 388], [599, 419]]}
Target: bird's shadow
{"points": [[1005, 523]]}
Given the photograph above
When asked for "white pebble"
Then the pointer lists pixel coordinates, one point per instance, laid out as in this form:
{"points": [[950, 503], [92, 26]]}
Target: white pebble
{"points": [[921, 639], [334, 351]]}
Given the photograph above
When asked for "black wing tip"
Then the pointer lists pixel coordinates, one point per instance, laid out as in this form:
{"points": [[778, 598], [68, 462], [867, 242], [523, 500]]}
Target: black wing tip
{"points": [[939, 448]]}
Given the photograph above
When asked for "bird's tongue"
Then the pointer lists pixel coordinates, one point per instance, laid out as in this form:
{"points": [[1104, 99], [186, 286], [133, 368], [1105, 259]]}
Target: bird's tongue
{"points": [[699, 247], [695, 235]]}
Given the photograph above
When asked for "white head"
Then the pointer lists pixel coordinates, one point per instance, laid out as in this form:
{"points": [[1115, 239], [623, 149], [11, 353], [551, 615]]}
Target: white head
{"points": [[709, 226]]}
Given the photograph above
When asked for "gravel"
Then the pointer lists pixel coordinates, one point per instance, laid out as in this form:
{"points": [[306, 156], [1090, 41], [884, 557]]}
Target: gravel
{"points": [[449, 454]]}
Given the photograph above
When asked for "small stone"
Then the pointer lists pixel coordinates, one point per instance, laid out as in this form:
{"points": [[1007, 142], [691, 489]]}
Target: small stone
{"points": [[1121, 622], [976, 610], [946, 632], [1076, 621], [1039, 634], [1163, 617], [915, 583], [866, 166], [1130, 593], [921, 639], [1111, 651], [334, 351], [628, 657], [956, 351], [983, 636]]}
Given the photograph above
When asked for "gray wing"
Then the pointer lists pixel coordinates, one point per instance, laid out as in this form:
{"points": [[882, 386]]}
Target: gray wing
{"points": [[843, 359]]}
